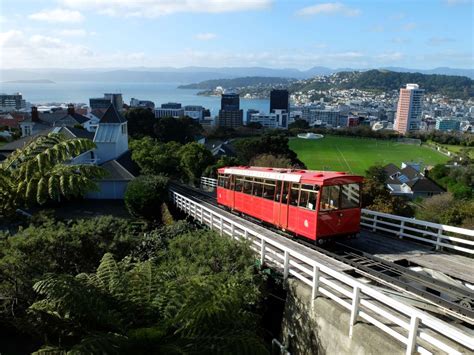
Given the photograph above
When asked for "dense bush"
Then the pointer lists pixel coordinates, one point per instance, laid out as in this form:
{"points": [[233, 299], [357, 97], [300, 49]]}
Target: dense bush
{"points": [[145, 195]]}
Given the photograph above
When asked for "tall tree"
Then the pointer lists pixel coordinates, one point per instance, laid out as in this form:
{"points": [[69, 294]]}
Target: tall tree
{"points": [[140, 122], [195, 158], [41, 171], [157, 158]]}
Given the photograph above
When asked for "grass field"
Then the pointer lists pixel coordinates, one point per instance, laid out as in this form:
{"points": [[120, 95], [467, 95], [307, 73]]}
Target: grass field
{"points": [[355, 155]]}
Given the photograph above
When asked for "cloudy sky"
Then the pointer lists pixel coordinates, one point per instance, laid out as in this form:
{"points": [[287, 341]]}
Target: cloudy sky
{"points": [[273, 33]]}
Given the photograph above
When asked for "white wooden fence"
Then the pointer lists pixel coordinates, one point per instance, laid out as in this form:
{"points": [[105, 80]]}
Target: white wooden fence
{"points": [[439, 235], [417, 330]]}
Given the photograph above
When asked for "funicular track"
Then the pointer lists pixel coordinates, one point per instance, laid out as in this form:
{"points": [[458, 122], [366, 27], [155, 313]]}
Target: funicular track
{"points": [[457, 303]]}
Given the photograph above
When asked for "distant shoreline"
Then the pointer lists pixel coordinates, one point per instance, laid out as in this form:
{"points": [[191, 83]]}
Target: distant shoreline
{"points": [[39, 81]]}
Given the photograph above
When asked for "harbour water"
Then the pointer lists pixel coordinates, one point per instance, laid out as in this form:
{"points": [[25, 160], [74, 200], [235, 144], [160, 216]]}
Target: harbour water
{"points": [[80, 92]]}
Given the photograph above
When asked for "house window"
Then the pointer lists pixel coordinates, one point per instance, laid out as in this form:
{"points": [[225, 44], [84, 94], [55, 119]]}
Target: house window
{"points": [[27, 130], [124, 128]]}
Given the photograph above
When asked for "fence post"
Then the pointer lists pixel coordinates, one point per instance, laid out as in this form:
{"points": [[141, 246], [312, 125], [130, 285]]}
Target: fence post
{"points": [[246, 234], [212, 221], [314, 292], [262, 252], [286, 265], [402, 230], [374, 224], [232, 230], [438, 239], [354, 309], [221, 226], [412, 335]]}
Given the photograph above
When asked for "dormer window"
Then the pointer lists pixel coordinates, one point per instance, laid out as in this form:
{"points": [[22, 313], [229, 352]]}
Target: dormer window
{"points": [[124, 129]]}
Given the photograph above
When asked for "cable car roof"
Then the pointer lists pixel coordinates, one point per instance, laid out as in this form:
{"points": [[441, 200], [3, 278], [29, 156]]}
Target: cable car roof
{"points": [[291, 175]]}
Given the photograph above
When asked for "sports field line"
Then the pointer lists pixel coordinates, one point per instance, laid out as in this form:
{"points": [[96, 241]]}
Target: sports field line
{"points": [[343, 157]]}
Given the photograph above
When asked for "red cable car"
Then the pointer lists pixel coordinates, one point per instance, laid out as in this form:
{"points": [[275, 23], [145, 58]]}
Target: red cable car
{"points": [[316, 205]]}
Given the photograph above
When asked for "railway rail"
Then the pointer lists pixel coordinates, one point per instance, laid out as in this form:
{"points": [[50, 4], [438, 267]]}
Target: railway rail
{"points": [[450, 300]]}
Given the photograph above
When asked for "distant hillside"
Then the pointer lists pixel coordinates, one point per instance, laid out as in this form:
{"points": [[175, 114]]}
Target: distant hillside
{"points": [[255, 81], [384, 80], [38, 81]]}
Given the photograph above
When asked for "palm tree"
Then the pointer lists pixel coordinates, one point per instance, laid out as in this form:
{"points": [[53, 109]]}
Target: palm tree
{"points": [[42, 170]]}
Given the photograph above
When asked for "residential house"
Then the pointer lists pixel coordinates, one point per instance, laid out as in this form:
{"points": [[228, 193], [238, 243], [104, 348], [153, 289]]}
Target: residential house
{"points": [[408, 181]]}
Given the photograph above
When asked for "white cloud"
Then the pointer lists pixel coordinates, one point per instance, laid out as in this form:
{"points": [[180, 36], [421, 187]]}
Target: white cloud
{"points": [[400, 40], [77, 32], [206, 36], [389, 57], [58, 15], [410, 26], [437, 41], [377, 29], [329, 8], [457, 2], [156, 8]]}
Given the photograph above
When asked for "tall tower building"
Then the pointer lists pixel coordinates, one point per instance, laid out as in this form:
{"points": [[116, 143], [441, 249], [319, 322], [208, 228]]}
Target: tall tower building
{"points": [[230, 114], [409, 109], [279, 100]]}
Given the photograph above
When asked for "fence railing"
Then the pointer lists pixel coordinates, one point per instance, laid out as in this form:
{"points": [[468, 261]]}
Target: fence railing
{"points": [[439, 235], [417, 330]]}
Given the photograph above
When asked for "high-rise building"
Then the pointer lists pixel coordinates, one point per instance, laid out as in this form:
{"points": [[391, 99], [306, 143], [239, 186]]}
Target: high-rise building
{"points": [[230, 114], [279, 100], [409, 108], [12, 102]]}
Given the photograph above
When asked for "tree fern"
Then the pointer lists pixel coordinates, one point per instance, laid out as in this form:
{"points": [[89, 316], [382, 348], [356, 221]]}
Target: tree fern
{"points": [[41, 171]]}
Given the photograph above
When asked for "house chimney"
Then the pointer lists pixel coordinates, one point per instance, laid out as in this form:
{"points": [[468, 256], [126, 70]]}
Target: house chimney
{"points": [[34, 114], [70, 109]]}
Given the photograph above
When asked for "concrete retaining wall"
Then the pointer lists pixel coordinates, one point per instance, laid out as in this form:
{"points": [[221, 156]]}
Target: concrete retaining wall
{"points": [[325, 330]]}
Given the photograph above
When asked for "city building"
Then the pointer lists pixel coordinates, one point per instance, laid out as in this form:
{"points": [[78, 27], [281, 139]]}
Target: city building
{"points": [[409, 109], [195, 112], [230, 114], [279, 100], [171, 105], [116, 100], [14, 102], [249, 113], [275, 119], [316, 116], [169, 112], [97, 103], [447, 124], [135, 103], [104, 102]]}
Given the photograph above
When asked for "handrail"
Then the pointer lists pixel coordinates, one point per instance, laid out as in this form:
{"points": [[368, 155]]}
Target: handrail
{"points": [[416, 329], [440, 235]]}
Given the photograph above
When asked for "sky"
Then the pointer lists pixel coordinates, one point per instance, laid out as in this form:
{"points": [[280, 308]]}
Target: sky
{"points": [[419, 34]]}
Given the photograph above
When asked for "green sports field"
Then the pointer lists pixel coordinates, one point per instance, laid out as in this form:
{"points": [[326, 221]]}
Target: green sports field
{"points": [[357, 154]]}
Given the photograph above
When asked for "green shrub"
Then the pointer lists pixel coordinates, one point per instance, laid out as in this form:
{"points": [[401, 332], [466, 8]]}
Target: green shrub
{"points": [[145, 195]]}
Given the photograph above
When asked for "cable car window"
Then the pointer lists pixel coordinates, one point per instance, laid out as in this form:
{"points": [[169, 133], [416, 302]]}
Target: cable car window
{"points": [[223, 181], [269, 189], [257, 187], [239, 184], [308, 196], [285, 193], [330, 198], [277, 191], [350, 196], [295, 191], [247, 186]]}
